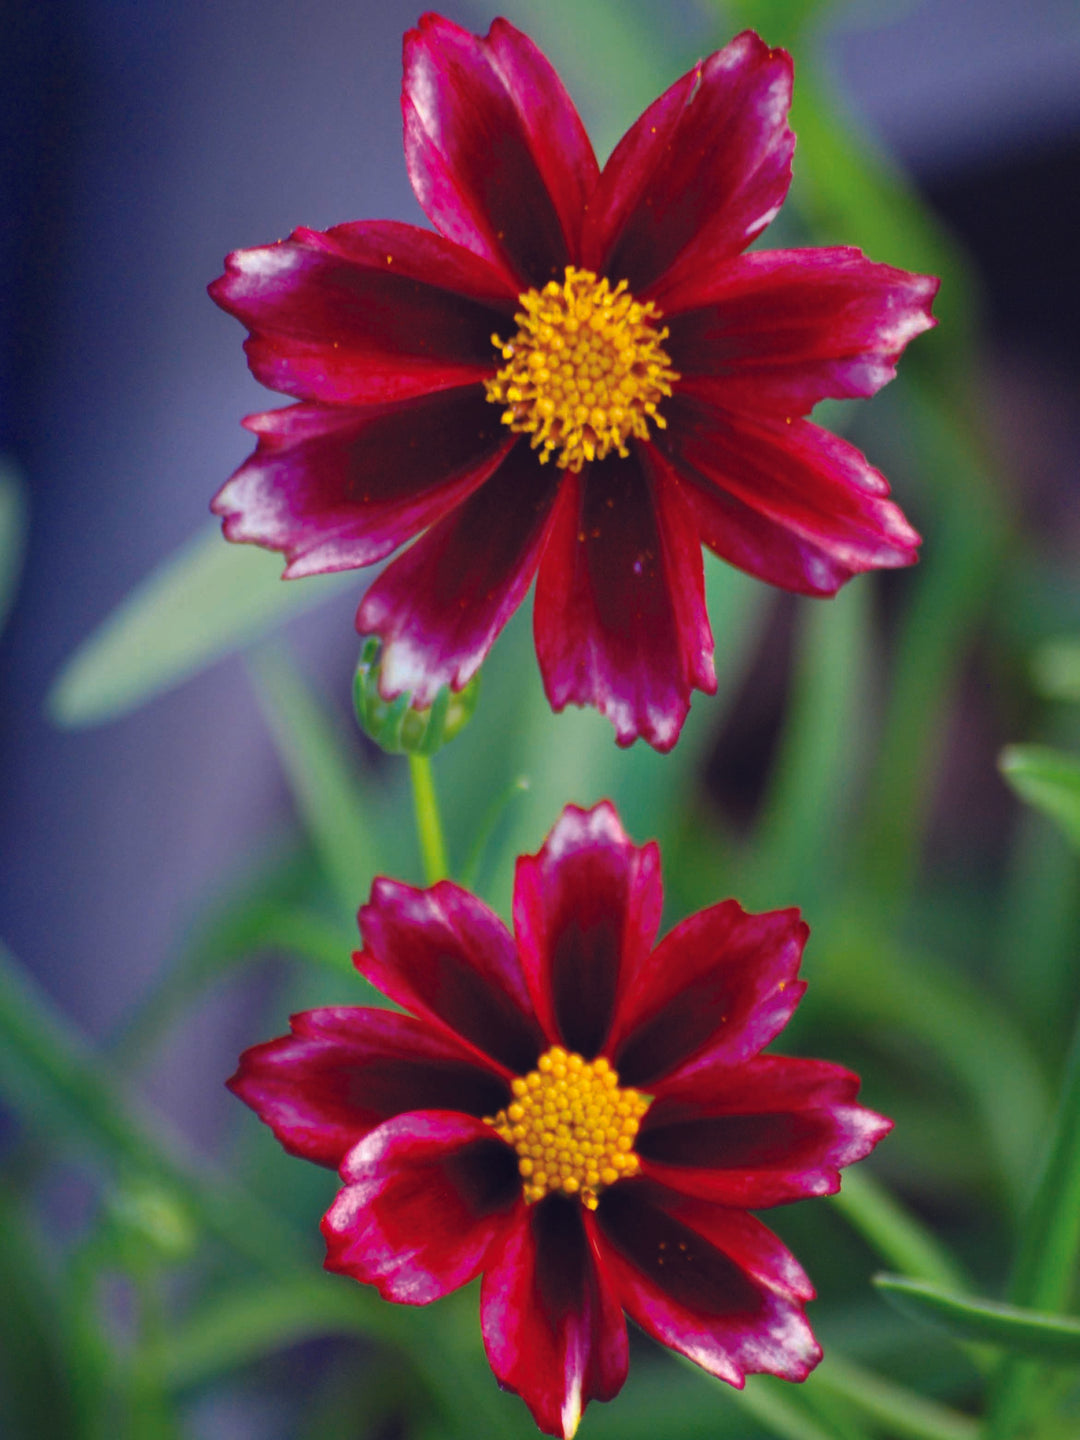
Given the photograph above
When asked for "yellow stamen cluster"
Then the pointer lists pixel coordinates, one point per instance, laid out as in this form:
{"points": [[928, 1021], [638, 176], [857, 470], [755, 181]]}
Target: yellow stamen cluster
{"points": [[584, 372], [572, 1126]]}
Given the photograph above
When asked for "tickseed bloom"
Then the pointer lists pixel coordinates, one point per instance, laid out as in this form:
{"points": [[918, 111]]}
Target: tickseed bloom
{"points": [[580, 377], [581, 1118]]}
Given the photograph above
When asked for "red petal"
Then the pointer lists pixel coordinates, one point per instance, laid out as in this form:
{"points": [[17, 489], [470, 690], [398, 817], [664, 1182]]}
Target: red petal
{"points": [[428, 1199], [820, 512], [586, 912], [441, 605], [496, 152], [366, 313], [780, 330], [713, 1284], [345, 1070], [443, 954], [619, 616], [715, 991], [553, 1332], [762, 1133], [700, 174], [337, 488]]}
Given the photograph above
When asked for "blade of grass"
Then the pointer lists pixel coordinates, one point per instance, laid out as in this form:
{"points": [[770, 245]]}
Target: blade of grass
{"points": [[207, 600], [1044, 1274], [1053, 1338], [1049, 780], [48, 1072]]}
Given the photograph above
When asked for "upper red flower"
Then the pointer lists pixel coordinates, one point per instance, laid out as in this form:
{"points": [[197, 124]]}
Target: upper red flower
{"points": [[581, 1118], [605, 321]]}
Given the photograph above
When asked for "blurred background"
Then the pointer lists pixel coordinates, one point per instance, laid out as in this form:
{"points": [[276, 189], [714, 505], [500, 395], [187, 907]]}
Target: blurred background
{"points": [[848, 763]]}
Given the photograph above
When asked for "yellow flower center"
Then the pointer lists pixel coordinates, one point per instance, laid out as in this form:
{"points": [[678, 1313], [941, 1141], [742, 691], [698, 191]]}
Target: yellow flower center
{"points": [[584, 372], [572, 1126]]}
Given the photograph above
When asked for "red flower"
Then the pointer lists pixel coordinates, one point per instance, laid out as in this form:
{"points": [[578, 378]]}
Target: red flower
{"points": [[581, 1118], [604, 320]]}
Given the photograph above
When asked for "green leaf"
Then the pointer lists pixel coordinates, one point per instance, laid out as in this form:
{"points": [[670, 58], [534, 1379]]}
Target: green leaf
{"points": [[12, 536], [1054, 1338], [1045, 1271], [208, 599], [1055, 669], [1047, 779], [322, 774]]}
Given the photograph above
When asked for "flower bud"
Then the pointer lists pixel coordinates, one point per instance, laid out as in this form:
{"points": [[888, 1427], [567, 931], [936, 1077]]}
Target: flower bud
{"points": [[394, 724]]}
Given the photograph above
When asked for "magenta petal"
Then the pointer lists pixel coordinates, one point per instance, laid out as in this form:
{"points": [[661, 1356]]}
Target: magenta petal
{"points": [[715, 991], [444, 955], [441, 605], [366, 313], [552, 1329], [428, 1198], [714, 1284], [345, 1070], [336, 488], [700, 174], [763, 1133], [586, 912], [496, 152], [812, 492], [619, 615], [779, 330]]}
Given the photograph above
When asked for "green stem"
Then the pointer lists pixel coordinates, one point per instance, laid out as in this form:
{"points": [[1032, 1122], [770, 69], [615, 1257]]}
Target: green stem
{"points": [[428, 824]]}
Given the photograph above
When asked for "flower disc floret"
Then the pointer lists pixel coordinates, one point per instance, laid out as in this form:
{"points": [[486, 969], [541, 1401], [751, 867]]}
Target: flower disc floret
{"points": [[585, 371], [572, 1125]]}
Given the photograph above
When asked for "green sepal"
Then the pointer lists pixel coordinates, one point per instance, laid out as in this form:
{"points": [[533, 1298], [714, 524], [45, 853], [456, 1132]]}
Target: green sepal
{"points": [[393, 724]]}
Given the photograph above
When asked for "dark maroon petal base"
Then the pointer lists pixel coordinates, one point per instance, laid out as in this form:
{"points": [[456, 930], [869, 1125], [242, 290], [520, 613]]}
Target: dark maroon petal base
{"points": [[447, 957], [343, 1071], [713, 1284], [553, 1330], [428, 1199]]}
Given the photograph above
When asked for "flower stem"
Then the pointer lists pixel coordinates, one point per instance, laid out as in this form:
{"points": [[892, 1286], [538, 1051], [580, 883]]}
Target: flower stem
{"points": [[428, 824]]}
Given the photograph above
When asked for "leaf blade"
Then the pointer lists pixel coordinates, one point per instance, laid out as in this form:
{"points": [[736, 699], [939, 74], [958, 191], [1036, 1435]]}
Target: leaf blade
{"points": [[1053, 1338]]}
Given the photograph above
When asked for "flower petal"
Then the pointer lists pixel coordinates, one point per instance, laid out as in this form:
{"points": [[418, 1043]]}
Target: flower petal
{"points": [[365, 313], [441, 605], [552, 1329], [444, 955], [344, 1070], [700, 174], [428, 1198], [619, 617], [715, 991], [788, 502], [496, 152], [762, 1133], [586, 911], [779, 330], [714, 1284], [336, 488]]}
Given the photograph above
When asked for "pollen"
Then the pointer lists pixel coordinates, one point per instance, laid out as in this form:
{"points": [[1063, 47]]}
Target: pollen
{"points": [[585, 371], [572, 1125]]}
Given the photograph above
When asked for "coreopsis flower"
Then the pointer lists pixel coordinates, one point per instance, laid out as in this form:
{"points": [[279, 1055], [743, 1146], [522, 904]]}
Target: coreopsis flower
{"points": [[580, 1117], [580, 377]]}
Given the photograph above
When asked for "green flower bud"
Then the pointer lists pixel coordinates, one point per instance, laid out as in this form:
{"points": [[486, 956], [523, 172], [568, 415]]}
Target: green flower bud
{"points": [[394, 724]]}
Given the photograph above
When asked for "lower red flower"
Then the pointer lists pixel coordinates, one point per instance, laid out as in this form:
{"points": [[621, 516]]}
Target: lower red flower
{"points": [[580, 1117]]}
